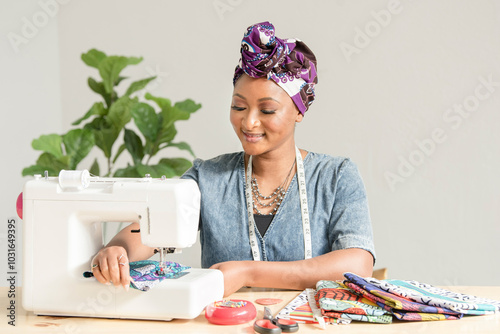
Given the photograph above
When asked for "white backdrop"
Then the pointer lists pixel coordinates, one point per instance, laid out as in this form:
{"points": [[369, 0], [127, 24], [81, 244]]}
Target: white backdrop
{"points": [[410, 90]]}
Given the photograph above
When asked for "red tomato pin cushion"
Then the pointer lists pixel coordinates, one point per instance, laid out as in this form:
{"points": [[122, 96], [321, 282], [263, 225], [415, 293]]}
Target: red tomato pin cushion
{"points": [[230, 312]]}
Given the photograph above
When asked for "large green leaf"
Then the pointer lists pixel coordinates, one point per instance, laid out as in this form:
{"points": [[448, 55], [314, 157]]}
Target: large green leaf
{"points": [[107, 129], [170, 114], [78, 143], [181, 146], [133, 144], [105, 138], [179, 165], [46, 159], [94, 169], [96, 109], [156, 171], [162, 102], [181, 111], [49, 143], [52, 163], [110, 68], [188, 105], [93, 57], [120, 79], [166, 135], [146, 120], [105, 134], [138, 85], [98, 87], [119, 152], [36, 169], [129, 171], [119, 113]]}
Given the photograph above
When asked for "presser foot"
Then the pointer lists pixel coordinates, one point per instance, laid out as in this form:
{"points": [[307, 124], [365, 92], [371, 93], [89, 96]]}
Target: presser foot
{"points": [[160, 272], [163, 251]]}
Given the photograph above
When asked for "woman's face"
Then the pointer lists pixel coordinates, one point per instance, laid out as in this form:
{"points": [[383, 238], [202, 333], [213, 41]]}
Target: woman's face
{"points": [[263, 115]]}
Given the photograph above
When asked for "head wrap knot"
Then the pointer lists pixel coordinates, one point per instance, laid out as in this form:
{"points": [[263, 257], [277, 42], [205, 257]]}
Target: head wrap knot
{"points": [[288, 62]]}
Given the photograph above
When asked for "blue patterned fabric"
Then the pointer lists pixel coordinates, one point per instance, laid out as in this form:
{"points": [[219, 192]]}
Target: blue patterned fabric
{"points": [[145, 275]]}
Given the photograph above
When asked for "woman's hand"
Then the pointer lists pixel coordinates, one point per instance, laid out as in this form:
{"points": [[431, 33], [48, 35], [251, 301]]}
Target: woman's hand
{"points": [[110, 266], [236, 275]]}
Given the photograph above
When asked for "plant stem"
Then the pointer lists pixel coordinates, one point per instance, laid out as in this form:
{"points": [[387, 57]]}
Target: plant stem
{"points": [[109, 166]]}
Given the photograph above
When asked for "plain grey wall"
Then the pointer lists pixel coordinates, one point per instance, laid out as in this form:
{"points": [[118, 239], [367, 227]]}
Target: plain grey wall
{"points": [[410, 90]]}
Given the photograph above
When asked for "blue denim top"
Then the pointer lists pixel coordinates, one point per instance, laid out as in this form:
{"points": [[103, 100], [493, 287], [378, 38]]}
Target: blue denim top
{"points": [[338, 210]]}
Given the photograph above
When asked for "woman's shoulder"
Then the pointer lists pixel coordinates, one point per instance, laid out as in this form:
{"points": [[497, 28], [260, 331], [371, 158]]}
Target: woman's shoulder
{"points": [[225, 164], [327, 168], [223, 160], [337, 173], [321, 160]]}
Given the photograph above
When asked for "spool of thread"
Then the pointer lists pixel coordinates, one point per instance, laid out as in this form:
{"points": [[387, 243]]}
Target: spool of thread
{"points": [[74, 179]]}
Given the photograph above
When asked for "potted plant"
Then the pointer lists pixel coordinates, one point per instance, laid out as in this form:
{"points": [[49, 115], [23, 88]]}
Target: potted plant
{"points": [[103, 123]]}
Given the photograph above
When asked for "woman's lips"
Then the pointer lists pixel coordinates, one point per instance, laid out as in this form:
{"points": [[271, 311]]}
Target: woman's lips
{"points": [[252, 137]]}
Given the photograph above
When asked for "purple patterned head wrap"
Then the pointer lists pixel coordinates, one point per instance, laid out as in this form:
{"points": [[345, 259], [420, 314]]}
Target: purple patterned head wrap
{"points": [[288, 62]]}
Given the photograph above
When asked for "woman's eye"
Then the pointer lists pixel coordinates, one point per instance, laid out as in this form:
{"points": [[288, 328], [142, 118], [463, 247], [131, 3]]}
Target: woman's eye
{"points": [[267, 112], [237, 108]]}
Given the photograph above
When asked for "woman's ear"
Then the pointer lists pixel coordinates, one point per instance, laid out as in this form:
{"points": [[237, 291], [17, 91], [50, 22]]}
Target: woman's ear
{"points": [[299, 117]]}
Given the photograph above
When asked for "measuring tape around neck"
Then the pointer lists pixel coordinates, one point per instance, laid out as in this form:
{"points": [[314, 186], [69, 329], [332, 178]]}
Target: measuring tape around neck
{"points": [[306, 225]]}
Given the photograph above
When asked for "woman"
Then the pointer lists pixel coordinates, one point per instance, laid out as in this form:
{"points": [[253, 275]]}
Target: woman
{"points": [[272, 215]]}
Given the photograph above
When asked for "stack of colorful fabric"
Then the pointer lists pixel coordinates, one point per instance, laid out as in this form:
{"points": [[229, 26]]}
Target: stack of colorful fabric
{"points": [[339, 302], [300, 311], [372, 300]]}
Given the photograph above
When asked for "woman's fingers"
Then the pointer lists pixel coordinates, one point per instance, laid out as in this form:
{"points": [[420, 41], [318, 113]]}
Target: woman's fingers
{"points": [[114, 271], [111, 266], [96, 270], [124, 268]]}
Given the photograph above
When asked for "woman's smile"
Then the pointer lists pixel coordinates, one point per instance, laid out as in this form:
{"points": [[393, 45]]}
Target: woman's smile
{"points": [[252, 137]]}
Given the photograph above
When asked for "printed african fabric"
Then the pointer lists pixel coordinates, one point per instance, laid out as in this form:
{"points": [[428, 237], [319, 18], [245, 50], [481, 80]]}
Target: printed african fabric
{"points": [[338, 301], [431, 296], [466, 304], [381, 301], [145, 274], [402, 308], [300, 311]]}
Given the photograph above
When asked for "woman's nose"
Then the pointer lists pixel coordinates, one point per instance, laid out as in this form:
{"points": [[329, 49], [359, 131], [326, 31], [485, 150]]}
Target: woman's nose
{"points": [[251, 119]]}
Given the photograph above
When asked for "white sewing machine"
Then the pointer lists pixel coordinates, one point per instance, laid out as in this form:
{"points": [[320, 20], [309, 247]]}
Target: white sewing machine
{"points": [[63, 219]]}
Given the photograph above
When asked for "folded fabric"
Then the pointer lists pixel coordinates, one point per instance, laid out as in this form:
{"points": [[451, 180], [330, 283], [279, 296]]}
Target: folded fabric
{"points": [[379, 319], [431, 296], [304, 314], [466, 304], [393, 302], [338, 301], [145, 275], [300, 311], [417, 316]]}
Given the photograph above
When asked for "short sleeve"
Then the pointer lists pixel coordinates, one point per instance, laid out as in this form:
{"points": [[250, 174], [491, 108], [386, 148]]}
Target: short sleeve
{"points": [[192, 173], [350, 223]]}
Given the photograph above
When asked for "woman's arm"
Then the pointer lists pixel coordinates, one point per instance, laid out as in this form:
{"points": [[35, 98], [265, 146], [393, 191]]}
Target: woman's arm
{"points": [[131, 242], [296, 275], [113, 260]]}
